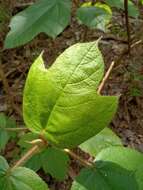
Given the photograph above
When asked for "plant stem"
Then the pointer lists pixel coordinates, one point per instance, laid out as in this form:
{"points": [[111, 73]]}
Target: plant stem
{"points": [[76, 157], [105, 77], [17, 129], [115, 62], [127, 24], [26, 157], [75, 2]]}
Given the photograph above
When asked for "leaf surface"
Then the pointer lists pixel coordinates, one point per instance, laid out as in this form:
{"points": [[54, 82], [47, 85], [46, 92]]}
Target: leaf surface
{"points": [[55, 162], [62, 103], [19, 179], [50, 17], [97, 16], [106, 138], [115, 168], [5, 122], [132, 8]]}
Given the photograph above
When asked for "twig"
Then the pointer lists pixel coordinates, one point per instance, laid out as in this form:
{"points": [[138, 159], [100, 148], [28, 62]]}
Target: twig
{"points": [[23, 5], [116, 62], [136, 43], [75, 2], [105, 77], [16, 129], [127, 24], [76, 157], [35, 149], [72, 173], [26, 157]]}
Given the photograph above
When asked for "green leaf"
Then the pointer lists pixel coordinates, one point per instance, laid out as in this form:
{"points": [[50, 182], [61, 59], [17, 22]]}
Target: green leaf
{"points": [[5, 122], [61, 103], [50, 17], [97, 16], [127, 158], [2, 120], [3, 166], [55, 162], [133, 10], [26, 138], [4, 138], [34, 163], [115, 168], [19, 178], [106, 138]]}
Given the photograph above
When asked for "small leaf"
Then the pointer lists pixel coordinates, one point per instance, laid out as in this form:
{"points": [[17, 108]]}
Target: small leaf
{"points": [[4, 138], [116, 168], [50, 17], [61, 103], [106, 138], [19, 178], [27, 137], [55, 162], [6, 122], [97, 16], [2, 120], [3, 165], [34, 163]]}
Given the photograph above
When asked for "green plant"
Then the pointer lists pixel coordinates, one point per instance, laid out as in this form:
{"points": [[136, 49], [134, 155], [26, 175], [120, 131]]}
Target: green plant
{"points": [[54, 16], [63, 108], [6, 130]]}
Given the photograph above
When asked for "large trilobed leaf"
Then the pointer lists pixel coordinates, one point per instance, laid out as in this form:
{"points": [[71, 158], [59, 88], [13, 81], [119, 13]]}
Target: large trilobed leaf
{"points": [[19, 178], [62, 103], [50, 17], [115, 168]]}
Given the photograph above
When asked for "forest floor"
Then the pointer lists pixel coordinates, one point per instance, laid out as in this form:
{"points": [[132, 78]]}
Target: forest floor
{"points": [[125, 80]]}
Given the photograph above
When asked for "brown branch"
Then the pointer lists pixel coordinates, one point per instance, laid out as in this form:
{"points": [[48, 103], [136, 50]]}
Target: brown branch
{"points": [[116, 62], [26, 157], [127, 24], [76, 2], [35, 149], [83, 162], [16, 129], [23, 5], [105, 77]]}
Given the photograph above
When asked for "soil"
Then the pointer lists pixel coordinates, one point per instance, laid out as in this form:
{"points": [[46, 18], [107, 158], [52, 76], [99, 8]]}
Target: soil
{"points": [[125, 80]]}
